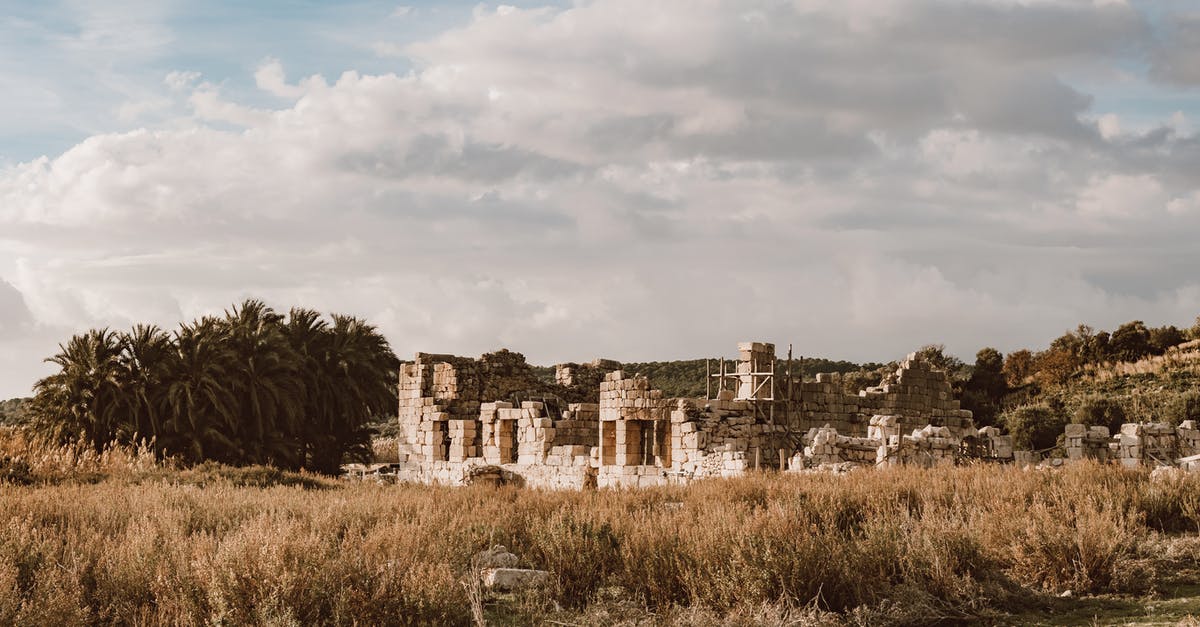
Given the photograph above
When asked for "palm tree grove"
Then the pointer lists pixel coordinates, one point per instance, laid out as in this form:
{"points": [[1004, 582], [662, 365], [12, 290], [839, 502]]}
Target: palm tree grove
{"points": [[254, 386]]}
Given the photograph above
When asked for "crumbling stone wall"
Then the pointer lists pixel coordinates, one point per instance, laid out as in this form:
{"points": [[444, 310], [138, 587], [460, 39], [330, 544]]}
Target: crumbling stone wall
{"points": [[928, 447], [633, 436], [580, 383], [634, 432], [441, 399], [1155, 443], [434, 389], [916, 392], [1084, 442], [723, 437]]}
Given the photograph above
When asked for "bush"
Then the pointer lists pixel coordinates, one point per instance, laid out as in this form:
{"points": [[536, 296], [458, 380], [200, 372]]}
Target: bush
{"points": [[1034, 427], [15, 471], [1100, 411], [1185, 406]]}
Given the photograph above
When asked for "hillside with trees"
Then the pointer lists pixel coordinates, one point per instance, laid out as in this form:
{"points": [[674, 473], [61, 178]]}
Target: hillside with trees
{"points": [[13, 412]]}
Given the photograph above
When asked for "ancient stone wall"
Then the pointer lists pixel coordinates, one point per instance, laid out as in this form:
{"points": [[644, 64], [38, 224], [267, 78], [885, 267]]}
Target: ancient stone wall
{"points": [[1084, 442], [464, 418], [580, 383], [917, 393], [1155, 444]]}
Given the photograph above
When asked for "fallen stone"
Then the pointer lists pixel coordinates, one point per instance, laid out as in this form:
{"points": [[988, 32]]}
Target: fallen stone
{"points": [[495, 557], [509, 579]]}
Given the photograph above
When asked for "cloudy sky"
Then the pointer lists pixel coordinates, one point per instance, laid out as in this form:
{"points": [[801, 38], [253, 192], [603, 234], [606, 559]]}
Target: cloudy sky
{"points": [[614, 178]]}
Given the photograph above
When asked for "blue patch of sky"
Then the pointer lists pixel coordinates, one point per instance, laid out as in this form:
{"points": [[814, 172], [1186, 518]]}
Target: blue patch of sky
{"points": [[1139, 101], [224, 41]]}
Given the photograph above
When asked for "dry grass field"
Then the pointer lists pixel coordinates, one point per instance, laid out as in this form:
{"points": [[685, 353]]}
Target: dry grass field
{"points": [[119, 539]]}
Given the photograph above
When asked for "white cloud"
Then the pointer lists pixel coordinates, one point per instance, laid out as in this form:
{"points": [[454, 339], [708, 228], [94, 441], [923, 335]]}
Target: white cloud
{"points": [[270, 77], [1109, 125], [1184, 205], [641, 180], [1123, 196]]}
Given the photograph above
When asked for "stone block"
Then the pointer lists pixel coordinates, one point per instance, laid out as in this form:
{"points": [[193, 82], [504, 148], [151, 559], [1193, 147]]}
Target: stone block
{"points": [[512, 579]]}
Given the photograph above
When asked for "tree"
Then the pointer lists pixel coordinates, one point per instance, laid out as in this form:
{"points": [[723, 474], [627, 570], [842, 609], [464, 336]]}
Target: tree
{"points": [[983, 391], [1131, 341], [202, 409], [1034, 427], [143, 366], [1162, 338], [1100, 411], [935, 354], [252, 387], [76, 402], [357, 382], [1185, 406], [1018, 367], [1055, 365], [267, 387]]}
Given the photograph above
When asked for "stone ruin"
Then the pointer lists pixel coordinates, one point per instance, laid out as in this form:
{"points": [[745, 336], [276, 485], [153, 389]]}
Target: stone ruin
{"points": [[596, 425], [1151, 444]]}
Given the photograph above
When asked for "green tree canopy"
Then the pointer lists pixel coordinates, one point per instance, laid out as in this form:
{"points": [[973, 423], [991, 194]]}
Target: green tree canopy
{"points": [[251, 387]]}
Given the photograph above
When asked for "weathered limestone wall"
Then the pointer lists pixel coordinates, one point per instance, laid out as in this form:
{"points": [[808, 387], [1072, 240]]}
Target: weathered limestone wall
{"points": [[439, 392], [433, 390], [928, 447], [916, 392], [755, 358], [723, 437], [994, 445], [633, 436], [632, 418], [1084, 442], [580, 383], [533, 476], [1155, 444]]}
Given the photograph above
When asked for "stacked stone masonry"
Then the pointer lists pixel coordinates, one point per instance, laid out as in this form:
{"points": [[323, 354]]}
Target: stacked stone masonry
{"points": [[597, 425], [916, 393]]}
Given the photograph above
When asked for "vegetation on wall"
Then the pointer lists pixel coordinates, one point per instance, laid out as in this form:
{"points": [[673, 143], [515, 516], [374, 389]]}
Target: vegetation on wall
{"points": [[251, 387]]}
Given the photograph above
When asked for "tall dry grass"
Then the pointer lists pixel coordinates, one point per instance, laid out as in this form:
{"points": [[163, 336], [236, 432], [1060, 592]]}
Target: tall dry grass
{"points": [[897, 545]]}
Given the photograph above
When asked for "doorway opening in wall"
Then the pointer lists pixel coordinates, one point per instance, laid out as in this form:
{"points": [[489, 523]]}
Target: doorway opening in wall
{"points": [[506, 438], [639, 442], [608, 443], [441, 450], [662, 444], [646, 457], [633, 443]]}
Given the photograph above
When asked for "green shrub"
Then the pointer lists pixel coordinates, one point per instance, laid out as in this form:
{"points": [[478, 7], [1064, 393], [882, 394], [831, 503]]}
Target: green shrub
{"points": [[1100, 411], [1185, 406], [1034, 427]]}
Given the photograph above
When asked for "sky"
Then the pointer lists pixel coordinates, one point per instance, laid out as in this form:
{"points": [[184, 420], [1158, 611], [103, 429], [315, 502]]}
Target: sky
{"points": [[612, 178]]}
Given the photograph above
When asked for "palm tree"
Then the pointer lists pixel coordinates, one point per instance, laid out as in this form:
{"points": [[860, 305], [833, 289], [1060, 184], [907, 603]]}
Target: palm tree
{"points": [[202, 419], [308, 335], [251, 387], [358, 381], [76, 402], [266, 383], [144, 364]]}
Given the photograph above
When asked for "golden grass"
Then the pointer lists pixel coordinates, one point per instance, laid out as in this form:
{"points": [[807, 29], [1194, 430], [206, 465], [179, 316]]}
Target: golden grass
{"points": [[385, 449], [138, 543]]}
